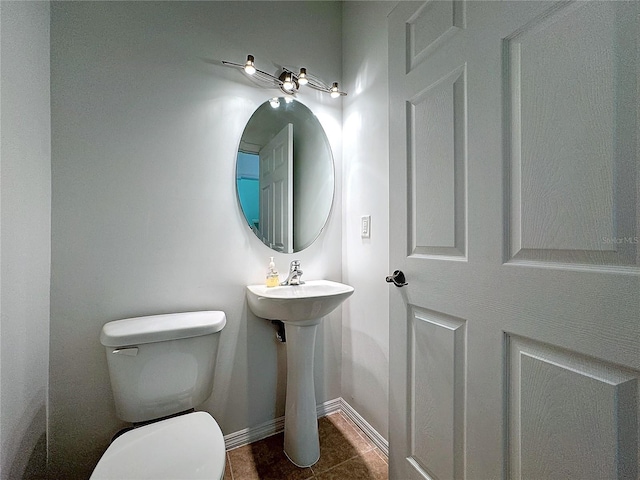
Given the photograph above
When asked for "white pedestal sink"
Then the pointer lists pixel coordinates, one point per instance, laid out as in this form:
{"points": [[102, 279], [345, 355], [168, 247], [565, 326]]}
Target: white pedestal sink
{"points": [[301, 308]]}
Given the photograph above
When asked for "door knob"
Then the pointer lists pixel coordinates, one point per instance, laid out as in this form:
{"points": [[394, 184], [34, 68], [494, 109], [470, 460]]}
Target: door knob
{"points": [[397, 279]]}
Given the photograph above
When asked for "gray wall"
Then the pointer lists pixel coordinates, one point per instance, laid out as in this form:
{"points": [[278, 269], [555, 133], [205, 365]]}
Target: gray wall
{"points": [[25, 233], [365, 331], [145, 128]]}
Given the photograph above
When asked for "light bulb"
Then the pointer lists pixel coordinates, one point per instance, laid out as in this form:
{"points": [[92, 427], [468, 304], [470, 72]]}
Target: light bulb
{"points": [[249, 67], [335, 93], [275, 103], [288, 82], [302, 77], [288, 99]]}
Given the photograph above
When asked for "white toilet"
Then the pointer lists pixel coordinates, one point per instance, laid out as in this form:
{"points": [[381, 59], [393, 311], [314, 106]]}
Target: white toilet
{"points": [[160, 366]]}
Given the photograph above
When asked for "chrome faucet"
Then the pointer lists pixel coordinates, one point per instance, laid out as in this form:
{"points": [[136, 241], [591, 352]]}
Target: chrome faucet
{"points": [[294, 274]]}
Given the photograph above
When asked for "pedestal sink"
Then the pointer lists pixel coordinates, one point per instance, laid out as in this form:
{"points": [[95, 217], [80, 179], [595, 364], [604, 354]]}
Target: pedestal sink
{"points": [[301, 308]]}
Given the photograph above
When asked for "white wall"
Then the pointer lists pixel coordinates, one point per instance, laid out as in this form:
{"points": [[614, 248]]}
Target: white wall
{"points": [[145, 127], [310, 169], [25, 212], [365, 330]]}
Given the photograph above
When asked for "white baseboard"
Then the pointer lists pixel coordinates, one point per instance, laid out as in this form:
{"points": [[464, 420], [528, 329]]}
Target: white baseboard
{"points": [[266, 429], [253, 434], [329, 407], [272, 427], [377, 439]]}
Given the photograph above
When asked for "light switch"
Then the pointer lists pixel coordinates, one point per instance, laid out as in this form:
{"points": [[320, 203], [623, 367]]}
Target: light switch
{"points": [[365, 226]]}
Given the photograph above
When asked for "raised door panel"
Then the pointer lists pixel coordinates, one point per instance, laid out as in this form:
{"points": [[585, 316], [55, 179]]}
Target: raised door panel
{"points": [[572, 160], [266, 196], [570, 416], [431, 25], [437, 394], [437, 138]]}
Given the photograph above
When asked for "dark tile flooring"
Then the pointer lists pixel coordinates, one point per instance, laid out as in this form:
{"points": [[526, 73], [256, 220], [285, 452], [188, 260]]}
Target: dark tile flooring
{"points": [[346, 453]]}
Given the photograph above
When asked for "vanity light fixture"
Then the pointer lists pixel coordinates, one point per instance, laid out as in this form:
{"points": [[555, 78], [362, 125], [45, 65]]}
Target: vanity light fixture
{"points": [[335, 93], [287, 81], [250, 67], [302, 77]]}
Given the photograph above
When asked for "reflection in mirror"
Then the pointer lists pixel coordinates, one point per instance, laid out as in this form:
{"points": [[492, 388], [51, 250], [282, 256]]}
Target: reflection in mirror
{"points": [[285, 175]]}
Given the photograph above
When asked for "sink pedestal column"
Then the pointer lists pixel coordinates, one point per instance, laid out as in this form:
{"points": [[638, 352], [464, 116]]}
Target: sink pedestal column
{"points": [[301, 443]]}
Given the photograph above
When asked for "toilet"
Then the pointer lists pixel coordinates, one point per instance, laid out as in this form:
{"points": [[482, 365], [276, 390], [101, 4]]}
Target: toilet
{"points": [[161, 368]]}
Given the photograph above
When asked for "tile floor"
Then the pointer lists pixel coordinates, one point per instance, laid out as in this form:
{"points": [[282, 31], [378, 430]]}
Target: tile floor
{"points": [[346, 453]]}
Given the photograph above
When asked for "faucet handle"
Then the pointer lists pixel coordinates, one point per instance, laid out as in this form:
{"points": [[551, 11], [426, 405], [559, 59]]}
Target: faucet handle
{"points": [[295, 264]]}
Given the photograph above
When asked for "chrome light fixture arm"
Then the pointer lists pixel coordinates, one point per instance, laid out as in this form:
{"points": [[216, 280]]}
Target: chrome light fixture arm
{"points": [[257, 72], [288, 81]]}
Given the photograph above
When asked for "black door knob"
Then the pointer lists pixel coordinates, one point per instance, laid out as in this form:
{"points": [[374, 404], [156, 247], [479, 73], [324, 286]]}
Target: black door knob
{"points": [[397, 279]]}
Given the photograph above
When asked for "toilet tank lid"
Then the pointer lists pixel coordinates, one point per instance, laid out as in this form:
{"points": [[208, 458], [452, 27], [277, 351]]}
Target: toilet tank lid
{"points": [[160, 328]]}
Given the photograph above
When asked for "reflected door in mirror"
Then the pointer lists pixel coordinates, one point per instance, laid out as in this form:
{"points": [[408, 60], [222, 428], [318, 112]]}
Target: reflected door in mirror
{"points": [[276, 191]]}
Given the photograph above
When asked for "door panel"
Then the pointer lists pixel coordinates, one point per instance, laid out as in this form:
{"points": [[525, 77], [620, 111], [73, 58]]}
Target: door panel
{"points": [[566, 102], [437, 389], [556, 398], [430, 25], [515, 347], [437, 135]]}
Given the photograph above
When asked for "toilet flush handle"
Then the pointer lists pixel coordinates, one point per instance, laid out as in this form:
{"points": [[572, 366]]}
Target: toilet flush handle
{"points": [[128, 351]]}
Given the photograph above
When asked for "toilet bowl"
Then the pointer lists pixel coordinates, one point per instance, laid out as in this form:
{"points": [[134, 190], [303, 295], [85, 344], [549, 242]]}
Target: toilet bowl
{"points": [[159, 367], [187, 447]]}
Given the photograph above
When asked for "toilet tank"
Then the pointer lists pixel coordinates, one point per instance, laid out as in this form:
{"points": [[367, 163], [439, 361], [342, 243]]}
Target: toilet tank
{"points": [[161, 364]]}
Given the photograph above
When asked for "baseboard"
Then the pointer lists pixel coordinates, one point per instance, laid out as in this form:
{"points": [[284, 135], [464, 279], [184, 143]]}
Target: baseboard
{"points": [[253, 434], [266, 429], [377, 439], [329, 407], [272, 427]]}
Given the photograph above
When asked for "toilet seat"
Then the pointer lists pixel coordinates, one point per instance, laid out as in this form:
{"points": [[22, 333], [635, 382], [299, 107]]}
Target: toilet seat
{"points": [[187, 447]]}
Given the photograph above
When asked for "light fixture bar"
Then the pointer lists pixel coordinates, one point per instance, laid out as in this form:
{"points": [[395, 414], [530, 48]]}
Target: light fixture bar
{"points": [[335, 93], [242, 67], [288, 81]]}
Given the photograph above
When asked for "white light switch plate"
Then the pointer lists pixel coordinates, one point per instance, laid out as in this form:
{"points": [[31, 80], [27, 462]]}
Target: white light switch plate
{"points": [[365, 226]]}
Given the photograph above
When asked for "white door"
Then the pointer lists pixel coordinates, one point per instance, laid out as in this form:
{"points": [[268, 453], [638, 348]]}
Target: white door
{"points": [[515, 192], [276, 191]]}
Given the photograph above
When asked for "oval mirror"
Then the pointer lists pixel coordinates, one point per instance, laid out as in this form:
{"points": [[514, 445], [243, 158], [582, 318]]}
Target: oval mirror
{"points": [[285, 175]]}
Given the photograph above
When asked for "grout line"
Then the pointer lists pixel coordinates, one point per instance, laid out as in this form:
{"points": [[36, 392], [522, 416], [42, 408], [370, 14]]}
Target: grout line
{"points": [[335, 466], [381, 455], [229, 463]]}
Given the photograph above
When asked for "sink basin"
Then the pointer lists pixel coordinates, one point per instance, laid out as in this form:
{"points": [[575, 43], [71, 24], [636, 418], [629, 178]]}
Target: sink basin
{"points": [[297, 303]]}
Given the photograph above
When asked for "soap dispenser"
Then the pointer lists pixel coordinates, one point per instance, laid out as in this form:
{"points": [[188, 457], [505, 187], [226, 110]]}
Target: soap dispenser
{"points": [[272, 275]]}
